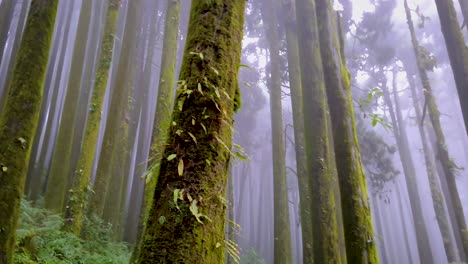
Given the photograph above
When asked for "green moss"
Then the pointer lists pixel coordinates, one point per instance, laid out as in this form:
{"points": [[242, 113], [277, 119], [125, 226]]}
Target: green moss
{"points": [[357, 219], [76, 203], [19, 118], [215, 31], [118, 107]]}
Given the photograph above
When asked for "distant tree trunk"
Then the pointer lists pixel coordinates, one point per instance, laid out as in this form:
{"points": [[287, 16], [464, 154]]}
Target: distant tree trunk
{"points": [[447, 164], [162, 117], [195, 161], [14, 50], [298, 120], [321, 169], [35, 177], [75, 206], [357, 219], [380, 240], [18, 121], [401, 215], [7, 8], [117, 109], [282, 227], [59, 172], [457, 51], [406, 159], [437, 197], [464, 9]]}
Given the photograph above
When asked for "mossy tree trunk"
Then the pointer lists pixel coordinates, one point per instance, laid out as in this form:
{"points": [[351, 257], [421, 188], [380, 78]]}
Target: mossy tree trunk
{"points": [[59, 173], [162, 117], [406, 159], [76, 203], [446, 162], [281, 226], [298, 120], [437, 197], [18, 121], [117, 109], [457, 51], [197, 153], [357, 219], [321, 170]]}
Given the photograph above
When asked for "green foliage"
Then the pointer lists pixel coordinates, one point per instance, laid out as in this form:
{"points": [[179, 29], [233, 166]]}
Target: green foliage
{"points": [[251, 257], [40, 240]]}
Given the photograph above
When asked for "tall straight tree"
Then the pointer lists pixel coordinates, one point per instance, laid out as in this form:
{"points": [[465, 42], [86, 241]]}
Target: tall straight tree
{"points": [[442, 153], [282, 229], [81, 179], [321, 168], [190, 228], [295, 85], [118, 107], [7, 8], [59, 173], [357, 219], [457, 51], [18, 121], [162, 117]]}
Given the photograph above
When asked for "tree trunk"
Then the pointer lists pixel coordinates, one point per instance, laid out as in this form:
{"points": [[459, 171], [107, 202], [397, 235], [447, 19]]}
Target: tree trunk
{"points": [[7, 8], [406, 159], [18, 121], [319, 153], [298, 120], [437, 197], [81, 180], [457, 51], [357, 219], [282, 228], [59, 172], [117, 109], [446, 162], [190, 229]]}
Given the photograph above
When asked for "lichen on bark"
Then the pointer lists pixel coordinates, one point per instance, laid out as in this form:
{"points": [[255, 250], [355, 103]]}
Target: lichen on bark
{"points": [[359, 234], [19, 118], [76, 203], [200, 138]]}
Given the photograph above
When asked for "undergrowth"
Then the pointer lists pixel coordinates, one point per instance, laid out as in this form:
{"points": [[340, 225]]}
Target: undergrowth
{"points": [[41, 240]]}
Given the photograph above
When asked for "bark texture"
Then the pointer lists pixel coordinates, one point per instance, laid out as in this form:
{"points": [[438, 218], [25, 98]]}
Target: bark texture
{"points": [[321, 169], [18, 121], [187, 218]]}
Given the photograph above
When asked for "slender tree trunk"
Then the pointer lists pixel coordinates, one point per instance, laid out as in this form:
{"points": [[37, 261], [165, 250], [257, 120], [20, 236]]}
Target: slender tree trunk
{"points": [[82, 175], [200, 164], [319, 153], [401, 137], [118, 108], [162, 118], [437, 197], [457, 51], [59, 172], [7, 8], [464, 9], [379, 232], [298, 120], [282, 228], [354, 199], [18, 121], [401, 215], [447, 164]]}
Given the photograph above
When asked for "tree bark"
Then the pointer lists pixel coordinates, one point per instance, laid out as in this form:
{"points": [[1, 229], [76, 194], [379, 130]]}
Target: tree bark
{"points": [[200, 139], [357, 219], [457, 51], [321, 170], [18, 121]]}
